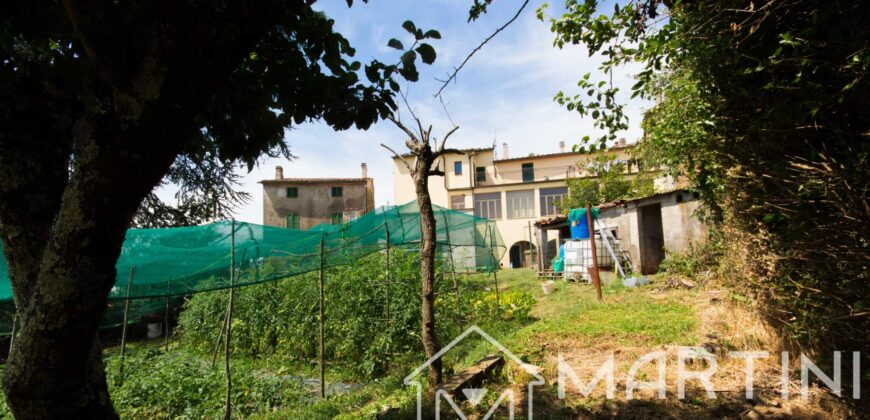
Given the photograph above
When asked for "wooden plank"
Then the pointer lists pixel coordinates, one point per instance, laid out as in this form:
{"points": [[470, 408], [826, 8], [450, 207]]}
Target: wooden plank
{"points": [[472, 377]]}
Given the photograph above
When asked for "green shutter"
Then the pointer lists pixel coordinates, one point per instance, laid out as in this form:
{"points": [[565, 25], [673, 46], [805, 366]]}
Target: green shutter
{"points": [[292, 221], [337, 219], [292, 192], [480, 174], [337, 191], [528, 172]]}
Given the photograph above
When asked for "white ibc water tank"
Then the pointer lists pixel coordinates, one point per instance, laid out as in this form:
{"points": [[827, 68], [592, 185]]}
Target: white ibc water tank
{"points": [[578, 252]]}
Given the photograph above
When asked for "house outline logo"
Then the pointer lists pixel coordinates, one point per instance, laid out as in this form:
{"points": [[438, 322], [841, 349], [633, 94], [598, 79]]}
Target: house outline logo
{"points": [[410, 379]]}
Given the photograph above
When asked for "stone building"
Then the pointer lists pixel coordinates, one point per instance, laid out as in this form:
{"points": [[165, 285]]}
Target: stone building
{"points": [[300, 203]]}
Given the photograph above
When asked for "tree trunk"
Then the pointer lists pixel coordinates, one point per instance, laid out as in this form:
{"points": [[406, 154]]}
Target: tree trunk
{"points": [[56, 369], [427, 268], [62, 269]]}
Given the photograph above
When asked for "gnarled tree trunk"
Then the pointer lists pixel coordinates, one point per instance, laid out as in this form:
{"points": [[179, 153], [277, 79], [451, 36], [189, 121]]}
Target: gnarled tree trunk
{"points": [[427, 266], [425, 157], [64, 245]]}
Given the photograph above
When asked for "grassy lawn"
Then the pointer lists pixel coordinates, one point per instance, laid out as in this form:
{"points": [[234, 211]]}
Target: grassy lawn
{"points": [[626, 317]]}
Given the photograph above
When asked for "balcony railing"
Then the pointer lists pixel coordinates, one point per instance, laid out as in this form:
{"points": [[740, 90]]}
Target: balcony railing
{"points": [[552, 173], [528, 175]]}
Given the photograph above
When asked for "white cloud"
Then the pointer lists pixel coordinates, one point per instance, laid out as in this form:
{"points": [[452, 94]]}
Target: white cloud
{"points": [[505, 93]]}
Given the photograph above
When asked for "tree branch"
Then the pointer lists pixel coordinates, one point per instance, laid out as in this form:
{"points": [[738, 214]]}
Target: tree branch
{"points": [[474, 51], [398, 156], [447, 136], [73, 13], [403, 128]]}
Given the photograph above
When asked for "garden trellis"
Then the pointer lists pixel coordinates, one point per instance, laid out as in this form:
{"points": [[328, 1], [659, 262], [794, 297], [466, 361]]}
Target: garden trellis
{"points": [[172, 262]]}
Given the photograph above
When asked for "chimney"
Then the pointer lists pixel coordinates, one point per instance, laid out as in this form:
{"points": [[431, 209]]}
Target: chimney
{"points": [[279, 172], [561, 147], [365, 170], [505, 153], [622, 142]]}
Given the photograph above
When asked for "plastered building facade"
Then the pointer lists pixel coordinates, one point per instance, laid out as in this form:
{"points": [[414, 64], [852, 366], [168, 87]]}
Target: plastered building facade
{"points": [[514, 191]]}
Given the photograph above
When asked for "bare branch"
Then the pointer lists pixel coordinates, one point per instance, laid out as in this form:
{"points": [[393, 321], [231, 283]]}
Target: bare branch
{"points": [[440, 149], [413, 115], [441, 99], [398, 156], [457, 69], [436, 172], [405, 129]]}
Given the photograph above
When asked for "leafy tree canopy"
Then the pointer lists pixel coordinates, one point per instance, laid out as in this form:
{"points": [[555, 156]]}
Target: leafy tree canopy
{"points": [[101, 101], [762, 105], [606, 181]]}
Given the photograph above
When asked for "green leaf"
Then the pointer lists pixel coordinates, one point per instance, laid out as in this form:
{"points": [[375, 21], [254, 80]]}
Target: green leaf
{"points": [[409, 69], [410, 27], [432, 34], [395, 43], [427, 53]]}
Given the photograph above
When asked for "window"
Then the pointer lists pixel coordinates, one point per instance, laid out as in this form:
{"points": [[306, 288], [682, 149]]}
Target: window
{"points": [[520, 204], [480, 174], [488, 205], [337, 219], [528, 172], [292, 221], [337, 191], [457, 167], [550, 199], [679, 198], [292, 192], [457, 202]]}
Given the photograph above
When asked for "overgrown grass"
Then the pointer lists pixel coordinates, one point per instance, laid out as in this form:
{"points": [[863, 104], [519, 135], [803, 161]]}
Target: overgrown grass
{"points": [[182, 383], [626, 317]]}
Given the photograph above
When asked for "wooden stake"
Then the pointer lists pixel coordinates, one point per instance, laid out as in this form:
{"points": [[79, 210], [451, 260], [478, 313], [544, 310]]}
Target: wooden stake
{"points": [[387, 272], [229, 323], [494, 262], [322, 345], [220, 337], [124, 326], [531, 256], [595, 279], [458, 314], [166, 317], [217, 345]]}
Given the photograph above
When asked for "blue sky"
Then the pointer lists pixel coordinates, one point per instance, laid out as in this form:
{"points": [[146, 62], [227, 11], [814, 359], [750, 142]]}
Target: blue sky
{"points": [[504, 94]]}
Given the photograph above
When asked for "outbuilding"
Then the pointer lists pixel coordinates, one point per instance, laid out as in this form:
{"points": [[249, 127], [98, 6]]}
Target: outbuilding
{"points": [[645, 227]]}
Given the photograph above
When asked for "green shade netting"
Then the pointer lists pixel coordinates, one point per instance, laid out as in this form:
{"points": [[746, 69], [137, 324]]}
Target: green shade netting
{"points": [[180, 261]]}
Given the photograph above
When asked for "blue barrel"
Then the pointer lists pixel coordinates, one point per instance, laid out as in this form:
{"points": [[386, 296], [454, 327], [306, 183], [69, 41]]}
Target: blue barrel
{"points": [[579, 223]]}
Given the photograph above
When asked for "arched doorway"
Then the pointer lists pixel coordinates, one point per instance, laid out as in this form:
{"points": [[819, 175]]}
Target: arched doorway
{"points": [[521, 254]]}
